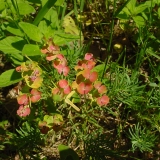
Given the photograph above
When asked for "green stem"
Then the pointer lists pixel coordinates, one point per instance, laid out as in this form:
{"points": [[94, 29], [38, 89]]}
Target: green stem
{"points": [[110, 40]]}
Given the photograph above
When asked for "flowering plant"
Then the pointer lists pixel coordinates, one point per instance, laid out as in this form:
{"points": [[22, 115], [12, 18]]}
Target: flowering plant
{"points": [[86, 85]]}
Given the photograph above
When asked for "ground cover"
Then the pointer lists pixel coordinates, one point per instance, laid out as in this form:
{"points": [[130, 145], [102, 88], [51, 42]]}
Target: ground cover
{"points": [[79, 79]]}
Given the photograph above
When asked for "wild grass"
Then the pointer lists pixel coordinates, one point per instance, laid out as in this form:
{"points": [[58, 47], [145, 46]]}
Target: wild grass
{"points": [[128, 127]]}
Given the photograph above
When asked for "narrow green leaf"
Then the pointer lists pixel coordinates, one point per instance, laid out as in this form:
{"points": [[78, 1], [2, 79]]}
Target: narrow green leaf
{"points": [[152, 53], [9, 77], [32, 31], [12, 44], [43, 11], [159, 12]]}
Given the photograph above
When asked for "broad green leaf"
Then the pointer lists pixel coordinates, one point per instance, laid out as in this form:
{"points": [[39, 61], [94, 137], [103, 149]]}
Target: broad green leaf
{"points": [[140, 8], [57, 98], [151, 3], [153, 84], [2, 5], [43, 27], [31, 50], [12, 44], [139, 21], [99, 68], [14, 29], [127, 11], [59, 2], [120, 9], [43, 11], [67, 153], [9, 77], [70, 26], [31, 30], [131, 6], [59, 40], [17, 56], [49, 120], [123, 15], [24, 8], [35, 1], [52, 18], [63, 38]]}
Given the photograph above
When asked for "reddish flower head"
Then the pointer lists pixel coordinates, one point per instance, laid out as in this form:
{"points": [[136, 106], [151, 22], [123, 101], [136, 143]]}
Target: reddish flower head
{"points": [[36, 95], [92, 76], [84, 88], [102, 101], [89, 56], [65, 86], [101, 88], [23, 99], [23, 111], [19, 69]]}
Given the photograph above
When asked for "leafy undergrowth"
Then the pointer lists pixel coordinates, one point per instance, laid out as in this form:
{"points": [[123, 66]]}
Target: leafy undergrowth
{"points": [[79, 79]]}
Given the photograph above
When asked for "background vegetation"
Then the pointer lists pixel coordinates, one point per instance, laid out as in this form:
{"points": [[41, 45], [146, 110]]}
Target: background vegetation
{"points": [[119, 119]]}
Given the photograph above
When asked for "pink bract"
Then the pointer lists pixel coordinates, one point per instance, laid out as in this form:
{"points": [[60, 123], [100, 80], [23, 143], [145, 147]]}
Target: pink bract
{"points": [[36, 95], [101, 88], [67, 90], [23, 99], [92, 76], [84, 88], [80, 65], [89, 65], [55, 91], [62, 69], [61, 56], [50, 57], [89, 56], [19, 69], [63, 83], [97, 84], [23, 111], [102, 101]]}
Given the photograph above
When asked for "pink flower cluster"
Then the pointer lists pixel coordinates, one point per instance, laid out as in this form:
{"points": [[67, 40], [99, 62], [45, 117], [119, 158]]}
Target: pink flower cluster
{"points": [[53, 54], [63, 88], [24, 102], [86, 80]]}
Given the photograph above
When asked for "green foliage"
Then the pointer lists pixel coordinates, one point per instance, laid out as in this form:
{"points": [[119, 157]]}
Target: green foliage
{"points": [[141, 138], [9, 77], [31, 31], [67, 153], [66, 98]]}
